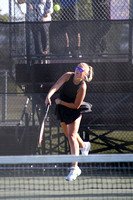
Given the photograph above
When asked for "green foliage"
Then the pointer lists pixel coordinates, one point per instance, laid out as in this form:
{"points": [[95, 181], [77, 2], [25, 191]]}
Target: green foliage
{"points": [[4, 18], [84, 7]]}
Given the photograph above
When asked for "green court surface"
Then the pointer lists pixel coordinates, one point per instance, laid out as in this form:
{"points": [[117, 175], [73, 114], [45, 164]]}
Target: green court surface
{"points": [[106, 176], [56, 187]]}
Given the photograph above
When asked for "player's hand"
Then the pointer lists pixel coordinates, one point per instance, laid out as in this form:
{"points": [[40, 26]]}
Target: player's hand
{"points": [[57, 101], [47, 101]]}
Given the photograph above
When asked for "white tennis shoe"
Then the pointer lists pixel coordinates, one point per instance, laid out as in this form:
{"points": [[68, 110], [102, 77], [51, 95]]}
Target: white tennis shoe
{"points": [[73, 174], [85, 150]]}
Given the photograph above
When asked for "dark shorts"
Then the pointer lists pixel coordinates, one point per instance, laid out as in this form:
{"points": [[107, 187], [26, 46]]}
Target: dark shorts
{"points": [[69, 115]]}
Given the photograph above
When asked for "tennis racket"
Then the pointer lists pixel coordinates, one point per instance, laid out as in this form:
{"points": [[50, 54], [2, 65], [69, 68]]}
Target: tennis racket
{"points": [[43, 124]]}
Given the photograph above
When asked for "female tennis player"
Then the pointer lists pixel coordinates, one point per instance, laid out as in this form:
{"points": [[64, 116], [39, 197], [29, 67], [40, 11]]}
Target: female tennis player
{"points": [[70, 107]]}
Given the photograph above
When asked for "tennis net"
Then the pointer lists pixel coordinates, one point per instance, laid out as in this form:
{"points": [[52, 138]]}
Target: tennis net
{"points": [[104, 176]]}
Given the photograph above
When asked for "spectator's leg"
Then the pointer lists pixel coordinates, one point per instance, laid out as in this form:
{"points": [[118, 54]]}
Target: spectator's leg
{"points": [[45, 37]]}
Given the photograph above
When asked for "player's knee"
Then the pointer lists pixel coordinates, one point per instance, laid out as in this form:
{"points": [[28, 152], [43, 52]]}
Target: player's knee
{"points": [[72, 138]]}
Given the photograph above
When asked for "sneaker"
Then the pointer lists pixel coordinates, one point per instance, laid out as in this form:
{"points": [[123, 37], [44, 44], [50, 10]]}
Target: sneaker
{"points": [[85, 150], [73, 174]]}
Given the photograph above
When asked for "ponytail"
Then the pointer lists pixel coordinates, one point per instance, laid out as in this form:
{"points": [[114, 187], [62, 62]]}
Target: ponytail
{"points": [[89, 76]]}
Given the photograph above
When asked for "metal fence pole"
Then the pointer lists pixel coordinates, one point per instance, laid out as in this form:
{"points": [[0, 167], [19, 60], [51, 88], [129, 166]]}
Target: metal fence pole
{"points": [[4, 98], [10, 10], [131, 32], [28, 34], [131, 9]]}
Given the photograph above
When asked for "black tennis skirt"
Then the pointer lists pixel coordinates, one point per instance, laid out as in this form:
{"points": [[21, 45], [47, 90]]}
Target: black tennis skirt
{"points": [[68, 115]]}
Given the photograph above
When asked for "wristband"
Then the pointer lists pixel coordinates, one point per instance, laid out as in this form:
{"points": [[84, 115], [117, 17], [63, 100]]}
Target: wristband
{"points": [[60, 101]]}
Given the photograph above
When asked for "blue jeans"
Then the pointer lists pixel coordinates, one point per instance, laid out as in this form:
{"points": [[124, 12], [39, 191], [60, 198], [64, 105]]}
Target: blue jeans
{"points": [[40, 33]]}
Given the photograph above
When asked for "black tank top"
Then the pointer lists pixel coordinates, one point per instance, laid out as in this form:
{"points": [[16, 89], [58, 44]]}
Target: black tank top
{"points": [[69, 90]]}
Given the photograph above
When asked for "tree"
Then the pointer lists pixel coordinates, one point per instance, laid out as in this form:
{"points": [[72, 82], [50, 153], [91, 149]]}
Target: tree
{"points": [[4, 18]]}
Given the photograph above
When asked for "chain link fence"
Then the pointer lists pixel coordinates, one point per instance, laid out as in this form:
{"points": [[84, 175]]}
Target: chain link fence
{"points": [[87, 9], [102, 36]]}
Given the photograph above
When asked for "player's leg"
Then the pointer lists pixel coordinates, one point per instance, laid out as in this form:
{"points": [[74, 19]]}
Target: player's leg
{"points": [[84, 146], [72, 130], [65, 127], [72, 136]]}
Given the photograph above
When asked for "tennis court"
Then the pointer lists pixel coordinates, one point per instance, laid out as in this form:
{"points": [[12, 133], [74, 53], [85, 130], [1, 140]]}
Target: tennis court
{"points": [[45, 178], [64, 190], [105, 41]]}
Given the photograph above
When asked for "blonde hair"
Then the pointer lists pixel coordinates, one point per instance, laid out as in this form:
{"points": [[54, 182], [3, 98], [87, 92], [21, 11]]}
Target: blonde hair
{"points": [[89, 72]]}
